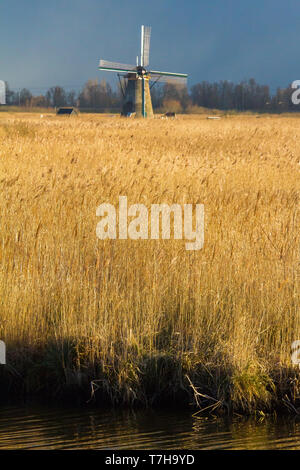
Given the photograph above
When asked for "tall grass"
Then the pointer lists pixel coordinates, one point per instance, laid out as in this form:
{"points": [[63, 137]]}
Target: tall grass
{"points": [[147, 321]]}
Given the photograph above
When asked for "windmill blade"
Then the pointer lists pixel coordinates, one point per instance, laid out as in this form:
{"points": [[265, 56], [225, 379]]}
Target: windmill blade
{"points": [[168, 77], [146, 45], [108, 66], [2, 92]]}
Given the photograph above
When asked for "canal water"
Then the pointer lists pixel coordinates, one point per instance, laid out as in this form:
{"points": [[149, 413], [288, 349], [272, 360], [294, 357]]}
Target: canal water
{"points": [[52, 428]]}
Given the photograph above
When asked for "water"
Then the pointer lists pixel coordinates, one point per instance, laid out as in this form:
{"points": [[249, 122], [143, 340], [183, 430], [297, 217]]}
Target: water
{"points": [[51, 428]]}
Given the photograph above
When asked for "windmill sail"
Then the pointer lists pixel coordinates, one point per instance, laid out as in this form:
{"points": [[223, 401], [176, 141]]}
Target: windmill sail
{"points": [[2, 92], [168, 77], [146, 38], [115, 66]]}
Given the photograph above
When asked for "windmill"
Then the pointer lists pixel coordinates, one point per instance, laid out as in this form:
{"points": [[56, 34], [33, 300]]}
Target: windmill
{"points": [[136, 92]]}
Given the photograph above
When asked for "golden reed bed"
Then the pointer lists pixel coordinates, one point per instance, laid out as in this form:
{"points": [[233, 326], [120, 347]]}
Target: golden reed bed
{"points": [[148, 321]]}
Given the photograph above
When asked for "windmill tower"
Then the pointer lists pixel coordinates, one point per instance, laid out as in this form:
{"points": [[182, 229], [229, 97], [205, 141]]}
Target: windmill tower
{"points": [[136, 92]]}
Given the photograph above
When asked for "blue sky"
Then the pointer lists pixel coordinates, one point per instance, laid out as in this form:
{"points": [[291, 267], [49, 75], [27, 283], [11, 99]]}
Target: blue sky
{"points": [[45, 43]]}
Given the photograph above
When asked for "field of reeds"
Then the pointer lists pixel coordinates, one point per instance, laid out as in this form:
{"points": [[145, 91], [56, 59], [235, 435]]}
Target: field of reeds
{"points": [[147, 322]]}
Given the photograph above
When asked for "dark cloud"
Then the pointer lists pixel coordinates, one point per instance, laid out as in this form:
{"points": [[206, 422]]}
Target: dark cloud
{"points": [[60, 42]]}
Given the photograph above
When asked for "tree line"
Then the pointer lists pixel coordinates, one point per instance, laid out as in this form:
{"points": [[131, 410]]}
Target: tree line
{"points": [[247, 95]]}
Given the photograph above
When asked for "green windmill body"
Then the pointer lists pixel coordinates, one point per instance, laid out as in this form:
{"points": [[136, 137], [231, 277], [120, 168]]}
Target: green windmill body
{"points": [[136, 91]]}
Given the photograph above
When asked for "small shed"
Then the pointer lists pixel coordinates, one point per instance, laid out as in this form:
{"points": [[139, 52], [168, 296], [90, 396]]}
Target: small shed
{"points": [[67, 111], [170, 115]]}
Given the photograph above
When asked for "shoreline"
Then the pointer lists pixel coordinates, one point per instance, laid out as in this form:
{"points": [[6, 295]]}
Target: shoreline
{"points": [[156, 382]]}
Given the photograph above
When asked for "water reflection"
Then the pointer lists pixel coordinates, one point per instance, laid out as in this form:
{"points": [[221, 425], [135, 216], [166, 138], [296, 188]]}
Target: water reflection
{"points": [[40, 428]]}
